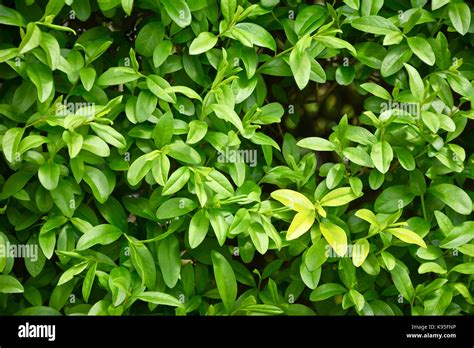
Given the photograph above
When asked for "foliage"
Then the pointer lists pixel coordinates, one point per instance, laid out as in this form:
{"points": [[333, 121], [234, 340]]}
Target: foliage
{"points": [[161, 157]]}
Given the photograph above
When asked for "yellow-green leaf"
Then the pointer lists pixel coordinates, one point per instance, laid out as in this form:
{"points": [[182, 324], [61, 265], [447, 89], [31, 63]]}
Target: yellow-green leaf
{"points": [[360, 252], [335, 236], [407, 236], [301, 223], [293, 200], [367, 215], [338, 197]]}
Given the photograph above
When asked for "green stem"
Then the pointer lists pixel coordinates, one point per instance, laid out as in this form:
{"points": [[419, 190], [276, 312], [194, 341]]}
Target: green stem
{"points": [[422, 197], [275, 57]]}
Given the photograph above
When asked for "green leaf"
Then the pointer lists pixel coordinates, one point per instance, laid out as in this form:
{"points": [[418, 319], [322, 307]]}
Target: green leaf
{"points": [[464, 268], [367, 215], [431, 252], [175, 207], [127, 6], [370, 54], [149, 37], [63, 197], [48, 175], [358, 156], [316, 255], [198, 228], [146, 105], [96, 145], [228, 8], [260, 36], [176, 181], [293, 200], [107, 5], [357, 298], [402, 281], [50, 46], [73, 141], [464, 291], [184, 153], [395, 59], [335, 236], [114, 213], [389, 260], [219, 183], [42, 78], [345, 75], [376, 90], [310, 279], [436, 4], [10, 143], [438, 301], [335, 42], [460, 16], [197, 131], [338, 197], [88, 282], [316, 144], [163, 131], [161, 52], [143, 261], [101, 234], [360, 252], [202, 43], [325, 291], [228, 114], [417, 87], [300, 64], [259, 238], [9, 16], [160, 298], [309, 19], [371, 7], [8, 54], [393, 198], [219, 225], [405, 157], [169, 260], [188, 92], [301, 224], [31, 40], [422, 49], [382, 156], [178, 10], [431, 120], [458, 235], [98, 182], [139, 168], [453, 196], [375, 25], [87, 76], [10, 285], [117, 75], [335, 175], [407, 236], [70, 273], [431, 267], [38, 311], [225, 279]]}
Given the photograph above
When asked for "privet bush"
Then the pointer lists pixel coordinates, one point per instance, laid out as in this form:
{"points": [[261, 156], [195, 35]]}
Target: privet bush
{"points": [[236, 157]]}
